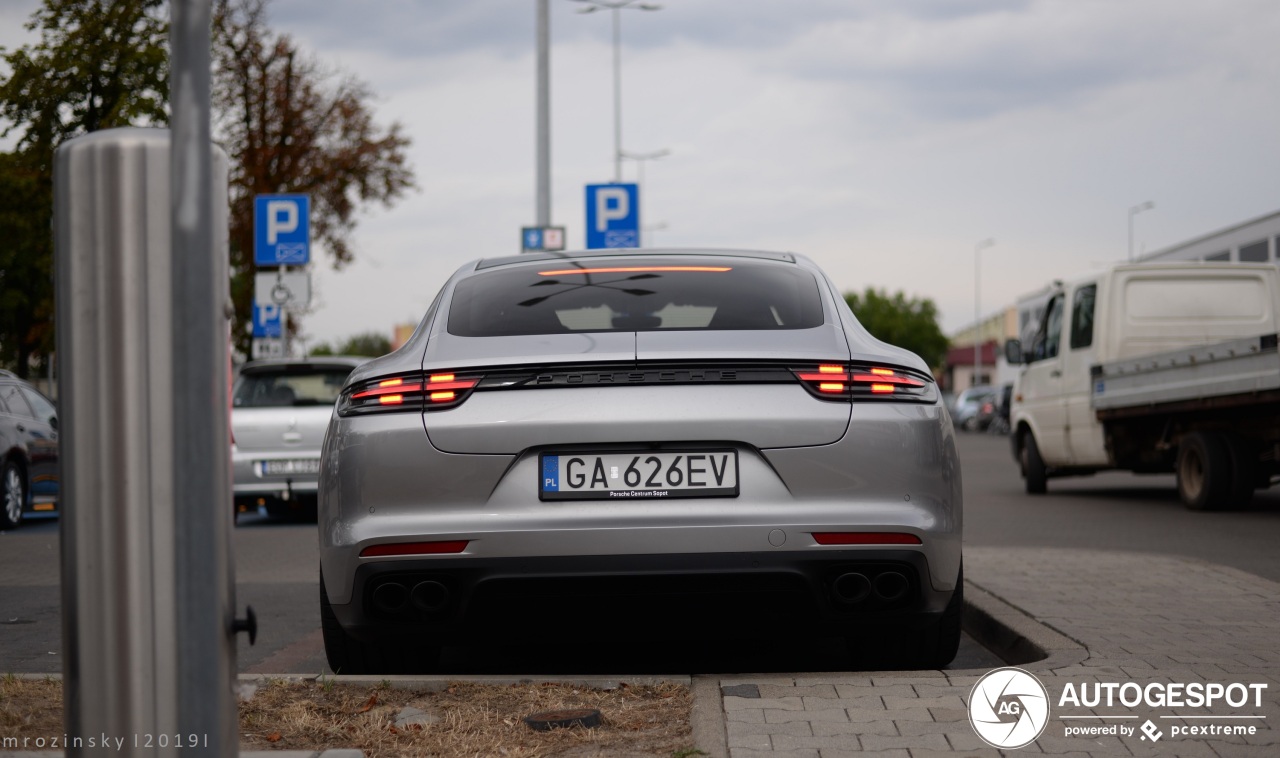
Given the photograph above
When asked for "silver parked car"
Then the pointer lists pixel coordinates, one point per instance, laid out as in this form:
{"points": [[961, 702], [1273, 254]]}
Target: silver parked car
{"points": [[279, 411], [651, 443]]}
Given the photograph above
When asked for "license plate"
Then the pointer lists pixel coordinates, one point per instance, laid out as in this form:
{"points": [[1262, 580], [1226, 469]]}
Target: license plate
{"points": [[608, 476], [292, 466]]}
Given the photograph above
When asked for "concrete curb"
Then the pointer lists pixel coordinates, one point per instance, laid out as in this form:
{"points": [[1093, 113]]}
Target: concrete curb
{"points": [[706, 719], [1016, 637]]}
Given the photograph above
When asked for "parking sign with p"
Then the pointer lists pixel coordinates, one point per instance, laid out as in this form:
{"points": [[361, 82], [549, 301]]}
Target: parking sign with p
{"points": [[281, 230], [613, 216]]}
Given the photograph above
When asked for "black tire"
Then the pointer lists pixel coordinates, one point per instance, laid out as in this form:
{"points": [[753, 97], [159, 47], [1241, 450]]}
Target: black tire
{"points": [[931, 646], [13, 495], [1244, 470], [1204, 471], [348, 655], [1034, 473]]}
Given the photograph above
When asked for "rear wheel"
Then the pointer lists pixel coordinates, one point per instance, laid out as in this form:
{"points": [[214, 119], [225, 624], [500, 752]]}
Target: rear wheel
{"points": [[1204, 471], [13, 497], [1244, 470], [932, 646], [1034, 473], [349, 655]]}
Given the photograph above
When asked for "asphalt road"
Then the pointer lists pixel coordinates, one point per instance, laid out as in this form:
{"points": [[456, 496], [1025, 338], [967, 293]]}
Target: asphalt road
{"points": [[1110, 511], [277, 565]]}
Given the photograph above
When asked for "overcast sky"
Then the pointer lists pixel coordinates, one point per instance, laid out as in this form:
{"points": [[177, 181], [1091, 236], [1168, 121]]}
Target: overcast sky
{"points": [[883, 138]]}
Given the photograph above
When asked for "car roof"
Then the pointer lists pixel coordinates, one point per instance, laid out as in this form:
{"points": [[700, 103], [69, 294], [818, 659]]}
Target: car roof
{"points": [[633, 252]]}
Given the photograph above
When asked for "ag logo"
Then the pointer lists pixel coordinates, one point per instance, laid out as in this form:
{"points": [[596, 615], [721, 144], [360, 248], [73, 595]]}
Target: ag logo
{"points": [[1009, 708]]}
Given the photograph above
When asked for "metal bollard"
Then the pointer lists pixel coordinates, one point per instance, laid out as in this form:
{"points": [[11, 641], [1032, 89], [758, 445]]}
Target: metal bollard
{"points": [[147, 593]]}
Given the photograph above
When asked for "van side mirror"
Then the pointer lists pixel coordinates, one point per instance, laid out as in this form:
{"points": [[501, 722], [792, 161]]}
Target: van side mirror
{"points": [[1013, 352]]}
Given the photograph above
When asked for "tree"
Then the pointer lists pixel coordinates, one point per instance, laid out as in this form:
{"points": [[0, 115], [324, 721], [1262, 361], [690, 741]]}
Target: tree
{"points": [[98, 64], [371, 344], [908, 323], [287, 125], [292, 127]]}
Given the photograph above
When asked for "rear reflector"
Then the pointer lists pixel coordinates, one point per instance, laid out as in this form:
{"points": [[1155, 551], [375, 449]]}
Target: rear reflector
{"points": [[865, 538], [414, 548]]}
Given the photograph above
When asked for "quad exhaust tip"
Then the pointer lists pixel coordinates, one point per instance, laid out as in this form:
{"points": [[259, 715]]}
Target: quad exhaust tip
{"points": [[852, 587], [390, 597], [429, 596], [855, 587]]}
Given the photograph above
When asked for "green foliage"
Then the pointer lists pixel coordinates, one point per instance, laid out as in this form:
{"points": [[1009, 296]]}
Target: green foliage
{"points": [[288, 126], [370, 344], [26, 262], [98, 64], [908, 323]]}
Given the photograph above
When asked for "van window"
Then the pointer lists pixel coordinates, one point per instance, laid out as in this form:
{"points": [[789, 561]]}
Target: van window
{"points": [[1255, 253], [1049, 337], [1082, 316]]}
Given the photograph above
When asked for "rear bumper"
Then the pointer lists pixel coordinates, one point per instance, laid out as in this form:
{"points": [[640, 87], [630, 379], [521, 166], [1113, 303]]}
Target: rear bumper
{"points": [[249, 481], [714, 595]]}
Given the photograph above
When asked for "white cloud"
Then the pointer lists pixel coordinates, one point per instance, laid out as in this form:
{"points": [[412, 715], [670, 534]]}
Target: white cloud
{"points": [[882, 139]]}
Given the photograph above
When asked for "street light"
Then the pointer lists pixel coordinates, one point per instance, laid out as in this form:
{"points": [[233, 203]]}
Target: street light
{"points": [[977, 308], [616, 6], [1135, 210], [640, 159]]}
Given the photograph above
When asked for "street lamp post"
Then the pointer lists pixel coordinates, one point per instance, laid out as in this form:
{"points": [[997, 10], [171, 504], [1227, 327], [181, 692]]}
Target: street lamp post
{"points": [[640, 159], [617, 6], [542, 132], [977, 307], [1135, 210]]}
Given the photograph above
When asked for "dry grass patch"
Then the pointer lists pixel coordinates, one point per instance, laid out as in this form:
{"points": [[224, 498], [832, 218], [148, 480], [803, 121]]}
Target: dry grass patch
{"points": [[470, 719], [30, 707]]}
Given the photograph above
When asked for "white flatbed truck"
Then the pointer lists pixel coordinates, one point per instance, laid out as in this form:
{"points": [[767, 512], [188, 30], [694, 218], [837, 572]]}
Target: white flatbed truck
{"points": [[1155, 368]]}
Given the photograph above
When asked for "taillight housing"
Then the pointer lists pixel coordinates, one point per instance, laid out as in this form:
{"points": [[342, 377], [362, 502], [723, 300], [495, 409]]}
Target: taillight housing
{"points": [[865, 382], [416, 391]]}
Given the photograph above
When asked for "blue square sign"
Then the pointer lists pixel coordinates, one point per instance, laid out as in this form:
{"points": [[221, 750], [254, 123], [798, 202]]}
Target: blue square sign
{"points": [[281, 230], [266, 321], [613, 215]]}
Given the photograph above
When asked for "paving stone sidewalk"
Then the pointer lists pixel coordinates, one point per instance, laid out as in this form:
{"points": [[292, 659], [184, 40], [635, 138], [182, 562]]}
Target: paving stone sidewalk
{"points": [[1141, 618]]}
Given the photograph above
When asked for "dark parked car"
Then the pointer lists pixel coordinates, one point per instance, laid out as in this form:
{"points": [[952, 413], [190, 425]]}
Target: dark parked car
{"points": [[29, 445]]}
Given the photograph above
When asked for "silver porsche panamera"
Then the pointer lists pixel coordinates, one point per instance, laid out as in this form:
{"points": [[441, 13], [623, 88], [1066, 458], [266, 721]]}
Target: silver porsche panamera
{"points": [[581, 442]]}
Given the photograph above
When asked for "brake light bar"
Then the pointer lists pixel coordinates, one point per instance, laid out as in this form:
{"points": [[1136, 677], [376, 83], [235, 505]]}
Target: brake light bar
{"points": [[844, 382], [445, 547], [634, 269], [865, 538], [411, 392]]}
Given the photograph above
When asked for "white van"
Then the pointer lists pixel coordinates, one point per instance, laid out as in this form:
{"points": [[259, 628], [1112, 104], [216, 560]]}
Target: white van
{"points": [[1155, 368]]}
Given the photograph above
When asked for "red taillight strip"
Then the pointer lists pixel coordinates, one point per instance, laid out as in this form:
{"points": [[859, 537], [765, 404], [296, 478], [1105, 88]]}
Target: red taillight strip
{"points": [[824, 377], [880, 378], [414, 548], [387, 388], [865, 538], [462, 384]]}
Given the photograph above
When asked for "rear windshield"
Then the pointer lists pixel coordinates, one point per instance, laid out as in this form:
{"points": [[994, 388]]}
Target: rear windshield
{"points": [[289, 386], [635, 295]]}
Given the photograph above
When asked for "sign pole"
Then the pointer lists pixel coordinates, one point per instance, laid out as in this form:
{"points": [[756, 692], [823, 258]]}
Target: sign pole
{"points": [[204, 583]]}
